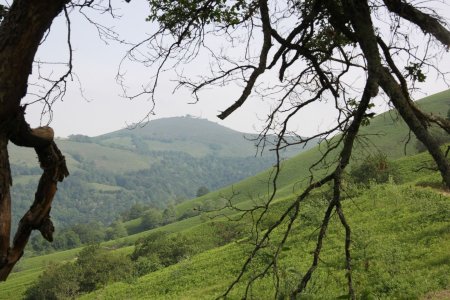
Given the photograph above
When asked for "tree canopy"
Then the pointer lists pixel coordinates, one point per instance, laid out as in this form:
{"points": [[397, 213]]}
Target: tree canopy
{"points": [[346, 53]]}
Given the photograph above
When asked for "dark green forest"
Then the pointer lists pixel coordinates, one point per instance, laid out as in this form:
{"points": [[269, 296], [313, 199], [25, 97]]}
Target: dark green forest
{"points": [[122, 175], [176, 177]]}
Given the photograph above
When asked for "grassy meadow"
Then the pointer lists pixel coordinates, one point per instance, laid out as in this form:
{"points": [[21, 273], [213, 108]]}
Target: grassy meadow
{"points": [[400, 233]]}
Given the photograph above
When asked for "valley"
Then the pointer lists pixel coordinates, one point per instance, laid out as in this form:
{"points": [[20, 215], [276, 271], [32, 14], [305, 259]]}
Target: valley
{"points": [[400, 223]]}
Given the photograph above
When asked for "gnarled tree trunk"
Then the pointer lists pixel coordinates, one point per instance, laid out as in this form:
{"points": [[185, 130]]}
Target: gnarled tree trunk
{"points": [[21, 31]]}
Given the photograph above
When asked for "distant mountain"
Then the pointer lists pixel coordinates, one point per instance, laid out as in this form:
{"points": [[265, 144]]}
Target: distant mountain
{"points": [[165, 161], [197, 137]]}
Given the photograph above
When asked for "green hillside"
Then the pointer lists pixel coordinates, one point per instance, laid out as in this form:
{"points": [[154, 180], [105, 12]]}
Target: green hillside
{"points": [[400, 251], [165, 161], [385, 133], [399, 230], [388, 133], [197, 137]]}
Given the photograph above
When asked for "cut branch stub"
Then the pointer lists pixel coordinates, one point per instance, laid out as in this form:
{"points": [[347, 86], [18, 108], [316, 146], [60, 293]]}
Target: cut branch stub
{"points": [[37, 217], [36, 138]]}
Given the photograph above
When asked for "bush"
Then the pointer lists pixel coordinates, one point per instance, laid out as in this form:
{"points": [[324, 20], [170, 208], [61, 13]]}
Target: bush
{"points": [[151, 219], [202, 191], [98, 267], [94, 268], [227, 231], [58, 281], [375, 168], [115, 231], [144, 265], [161, 249], [189, 214]]}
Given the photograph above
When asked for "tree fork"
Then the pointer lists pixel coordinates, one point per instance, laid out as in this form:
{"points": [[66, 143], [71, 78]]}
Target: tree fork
{"points": [[393, 90], [359, 14], [21, 32], [38, 216]]}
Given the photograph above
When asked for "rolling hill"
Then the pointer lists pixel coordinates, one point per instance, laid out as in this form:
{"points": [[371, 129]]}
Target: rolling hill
{"points": [[400, 234], [165, 161], [384, 214]]}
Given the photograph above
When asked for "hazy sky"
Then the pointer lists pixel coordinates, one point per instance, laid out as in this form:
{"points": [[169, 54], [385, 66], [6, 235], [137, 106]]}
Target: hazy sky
{"points": [[96, 64]]}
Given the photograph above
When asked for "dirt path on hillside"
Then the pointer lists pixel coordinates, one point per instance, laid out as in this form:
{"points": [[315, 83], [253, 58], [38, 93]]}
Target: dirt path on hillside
{"points": [[441, 295]]}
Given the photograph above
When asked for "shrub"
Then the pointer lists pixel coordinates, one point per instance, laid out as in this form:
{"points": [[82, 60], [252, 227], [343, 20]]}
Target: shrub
{"points": [[227, 231], [94, 268], [58, 281], [151, 219], [144, 265], [375, 168], [162, 249], [201, 191], [98, 267]]}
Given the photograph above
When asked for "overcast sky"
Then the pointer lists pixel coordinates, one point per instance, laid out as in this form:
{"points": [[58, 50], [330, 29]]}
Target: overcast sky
{"points": [[104, 110]]}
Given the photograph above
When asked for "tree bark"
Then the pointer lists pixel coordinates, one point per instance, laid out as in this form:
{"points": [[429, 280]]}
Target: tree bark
{"points": [[426, 22], [5, 199], [20, 35], [38, 216], [359, 14], [406, 110], [21, 32]]}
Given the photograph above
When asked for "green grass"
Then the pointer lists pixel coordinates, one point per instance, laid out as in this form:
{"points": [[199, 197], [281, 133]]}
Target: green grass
{"points": [[18, 283], [196, 149], [390, 220], [398, 210], [400, 240], [382, 215], [106, 158], [119, 141], [389, 134], [28, 270], [104, 187], [385, 134]]}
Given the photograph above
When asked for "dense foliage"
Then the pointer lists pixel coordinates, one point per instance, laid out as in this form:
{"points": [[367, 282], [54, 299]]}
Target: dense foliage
{"points": [[97, 266], [176, 176], [94, 268], [143, 218], [167, 161], [375, 168]]}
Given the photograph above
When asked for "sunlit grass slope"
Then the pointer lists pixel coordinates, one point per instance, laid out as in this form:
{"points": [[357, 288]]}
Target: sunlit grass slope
{"points": [[385, 133], [28, 270], [371, 213], [401, 237], [388, 133]]}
